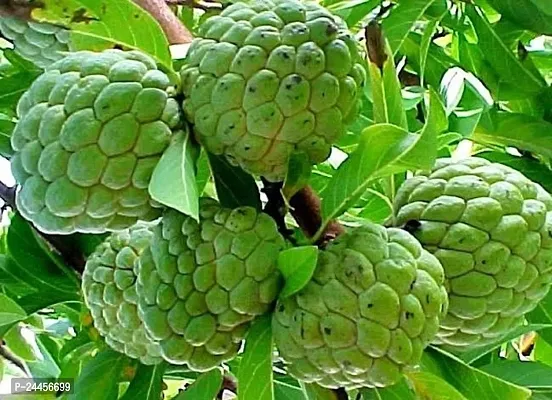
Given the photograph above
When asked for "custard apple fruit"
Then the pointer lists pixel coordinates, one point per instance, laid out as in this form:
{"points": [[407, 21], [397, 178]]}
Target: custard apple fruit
{"points": [[374, 303], [490, 228], [109, 287], [268, 78], [202, 283], [91, 130], [37, 42]]}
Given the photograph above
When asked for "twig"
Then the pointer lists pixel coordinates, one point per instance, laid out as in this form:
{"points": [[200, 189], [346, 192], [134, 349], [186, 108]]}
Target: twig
{"points": [[306, 209], [174, 29], [202, 5], [228, 383], [9, 356], [8, 194]]}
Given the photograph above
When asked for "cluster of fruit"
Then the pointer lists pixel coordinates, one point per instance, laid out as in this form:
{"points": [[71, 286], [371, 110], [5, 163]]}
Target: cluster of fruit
{"points": [[469, 253]]}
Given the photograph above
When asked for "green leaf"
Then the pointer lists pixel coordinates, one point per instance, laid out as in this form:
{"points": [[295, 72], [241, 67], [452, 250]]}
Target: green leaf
{"points": [[534, 15], [6, 129], [427, 38], [402, 19], [472, 355], [173, 182], [45, 366], [99, 24], [297, 266], [255, 373], [386, 93], [99, 378], [353, 11], [203, 172], [470, 382], [379, 148], [399, 391], [235, 187], [298, 175], [13, 87], [18, 344], [147, 383], [285, 391], [502, 59], [424, 153], [313, 391], [533, 375], [36, 267], [206, 387], [10, 311], [430, 386], [517, 130]]}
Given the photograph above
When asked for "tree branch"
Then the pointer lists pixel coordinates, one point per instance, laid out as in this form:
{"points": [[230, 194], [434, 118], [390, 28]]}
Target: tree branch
{"points": [[16, 8], [174, 29], [202, 5]]}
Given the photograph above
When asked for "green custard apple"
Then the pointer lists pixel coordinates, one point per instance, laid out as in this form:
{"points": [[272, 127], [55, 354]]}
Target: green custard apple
{"points": [[374, 303], [491, 229], [267, 78], [200, 284], [91, 130], [37, 42], [109, 287]]}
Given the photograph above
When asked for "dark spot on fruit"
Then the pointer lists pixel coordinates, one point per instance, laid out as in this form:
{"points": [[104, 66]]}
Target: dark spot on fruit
{"points": [[136, 16], [484, 262], [370, 305], [296, 79], [427, 299], [285, 55], [412, 284], [408, 315], [281, 308], [349, 273], [412, 226], [328, 331], [252, 89], [331, 29], [346, 363], [288, 86]]}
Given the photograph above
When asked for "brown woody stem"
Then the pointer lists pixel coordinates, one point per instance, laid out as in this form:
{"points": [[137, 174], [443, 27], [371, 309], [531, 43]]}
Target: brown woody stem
{"points": [[175, 31]]}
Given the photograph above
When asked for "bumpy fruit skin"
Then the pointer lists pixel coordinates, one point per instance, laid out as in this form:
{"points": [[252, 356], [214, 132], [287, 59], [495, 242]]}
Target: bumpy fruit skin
{"points": [[201, 284], [374, 303], [109, 287], [91, 130], [490, 228], [271, 77], [37, 42]]}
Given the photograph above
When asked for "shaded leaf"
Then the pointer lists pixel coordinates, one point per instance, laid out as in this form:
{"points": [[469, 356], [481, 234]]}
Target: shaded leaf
{"points": [[10, 311], [297, 265], [313, 391], [147, 383], [99, 378], [13, 87], [285, 391], [255, 372], [173, 182], [205, 387], [534, 15], [399, 391], [432, 387], [235, 187]]}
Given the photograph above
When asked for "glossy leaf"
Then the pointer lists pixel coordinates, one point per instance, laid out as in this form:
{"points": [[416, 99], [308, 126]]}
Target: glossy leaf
{"points": [[533, 375], [297, 265], [235, 187], [313, 391], [470, 382], [399, 391], [297, 177], [10, 311], [502, 59], [99, 378], [98, 24], [205, 387], [534, 15], [173, 182], [255, 372], [147, 383], [402, 19], [380, 146], [433, 387], [285, 391], [516, 130], [13, 87]]}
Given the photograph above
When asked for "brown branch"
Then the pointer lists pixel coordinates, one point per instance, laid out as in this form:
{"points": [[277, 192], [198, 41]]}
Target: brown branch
{"points": [[202, 5], [9, 356], [174, 29], [306, 209], [17, 8], [276, 207]]}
